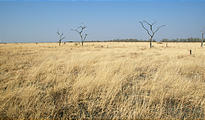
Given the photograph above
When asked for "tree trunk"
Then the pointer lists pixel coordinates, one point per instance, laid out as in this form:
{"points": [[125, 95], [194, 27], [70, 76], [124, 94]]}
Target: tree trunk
{"points": [[81, 37], [82, 43], [59, 42], [150, 44], [202, 39]]}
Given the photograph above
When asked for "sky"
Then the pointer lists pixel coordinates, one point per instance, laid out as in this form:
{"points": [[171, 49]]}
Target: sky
{"points": [[38, 20]]}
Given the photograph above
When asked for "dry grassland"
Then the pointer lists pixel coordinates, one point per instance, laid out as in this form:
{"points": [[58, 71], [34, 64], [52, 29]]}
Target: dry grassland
{"points": [[102, 81]]}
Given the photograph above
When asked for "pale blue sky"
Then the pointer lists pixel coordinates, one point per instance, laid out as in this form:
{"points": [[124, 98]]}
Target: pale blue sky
{"points": [[37, 21]]}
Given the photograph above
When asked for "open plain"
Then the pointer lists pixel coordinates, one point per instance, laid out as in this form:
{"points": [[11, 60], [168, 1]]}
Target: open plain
{"points": [[102, 80]]}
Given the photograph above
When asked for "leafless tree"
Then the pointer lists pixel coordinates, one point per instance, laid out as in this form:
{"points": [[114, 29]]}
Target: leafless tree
{"points": [[61, 37], [81, 31], [150, 31]]}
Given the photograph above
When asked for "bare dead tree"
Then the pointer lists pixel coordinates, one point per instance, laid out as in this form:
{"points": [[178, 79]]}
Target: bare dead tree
{"points": [[61, 37], [81, 31], [202, 39], [150, 31]]}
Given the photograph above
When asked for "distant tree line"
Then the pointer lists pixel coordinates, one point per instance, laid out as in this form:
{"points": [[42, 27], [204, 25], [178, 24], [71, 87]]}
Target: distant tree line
{"points": [[115, 40], [182, 40], [128, 40]]}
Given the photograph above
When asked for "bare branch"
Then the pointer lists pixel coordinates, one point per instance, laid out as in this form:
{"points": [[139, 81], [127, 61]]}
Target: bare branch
{"points": [[85, 36], [62, 38], [58, 33], [159, 28], [76, 30], [82, 27], [146, 22], [154, 23], [145, 28]]}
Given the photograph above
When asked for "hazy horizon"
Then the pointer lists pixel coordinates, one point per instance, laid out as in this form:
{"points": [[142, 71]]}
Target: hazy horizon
{"points": [[36, 21]]}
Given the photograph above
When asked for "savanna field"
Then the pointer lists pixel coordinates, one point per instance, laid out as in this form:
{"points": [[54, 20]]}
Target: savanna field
{"points": [[111, 80]]}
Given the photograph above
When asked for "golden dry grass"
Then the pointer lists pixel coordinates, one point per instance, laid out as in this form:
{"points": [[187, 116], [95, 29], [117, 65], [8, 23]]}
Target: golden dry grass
{"points": [[102, 81]]}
